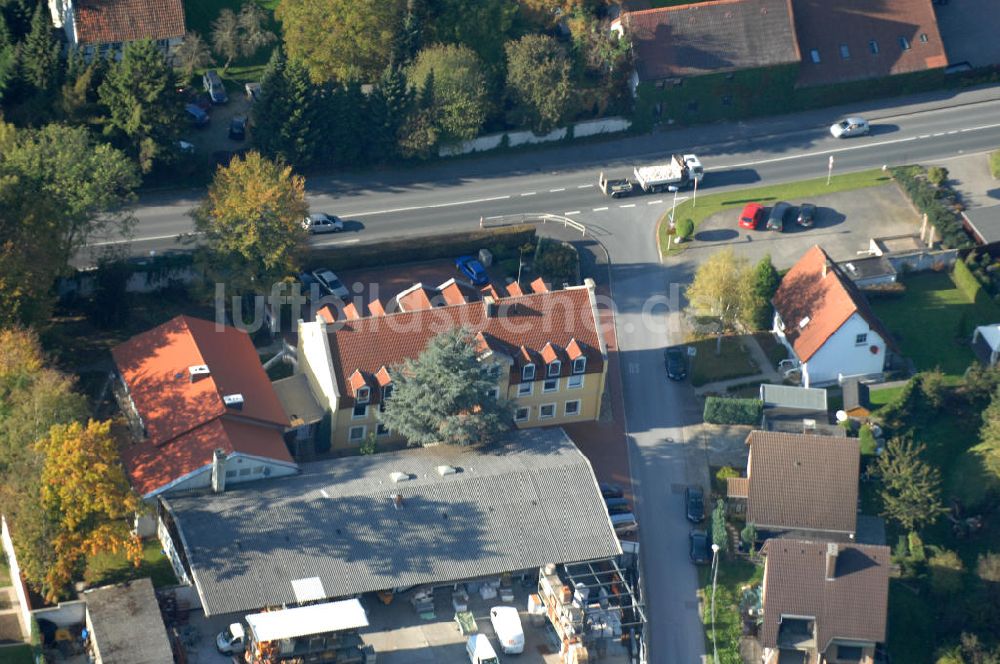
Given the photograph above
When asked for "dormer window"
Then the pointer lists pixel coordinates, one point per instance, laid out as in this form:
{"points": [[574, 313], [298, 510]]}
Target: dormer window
{"points": [[363, 395], [555, 367], [579, 365], [528, 372]]}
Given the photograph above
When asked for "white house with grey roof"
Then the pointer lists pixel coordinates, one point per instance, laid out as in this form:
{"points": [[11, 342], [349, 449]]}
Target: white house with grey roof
{"points": [[360, 524]]}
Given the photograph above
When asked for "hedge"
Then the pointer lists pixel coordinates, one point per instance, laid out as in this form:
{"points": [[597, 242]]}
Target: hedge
{"points": [[722, 410], [927, 198], [968, 284]]}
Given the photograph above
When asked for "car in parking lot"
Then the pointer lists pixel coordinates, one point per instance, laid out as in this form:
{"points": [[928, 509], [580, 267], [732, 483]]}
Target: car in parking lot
{"points": [[195, 115], [330, 283], [694, 499], [624, 524], [507, 625], [850, 127], [617, 505], [776, 220], [472, 269], [752, 215], [699, 550], [238, 128], [676, 362], [807, 215], [318, 222], [213, 85], [611, 491]]}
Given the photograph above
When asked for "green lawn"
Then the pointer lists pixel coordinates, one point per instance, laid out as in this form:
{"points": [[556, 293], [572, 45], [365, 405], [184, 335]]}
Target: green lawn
{"points": [[4, 572], [773, 348], [734, 576], [20, 654], [732, 362], [911, 627], [933, 322], [735, 200], [107, 568]]}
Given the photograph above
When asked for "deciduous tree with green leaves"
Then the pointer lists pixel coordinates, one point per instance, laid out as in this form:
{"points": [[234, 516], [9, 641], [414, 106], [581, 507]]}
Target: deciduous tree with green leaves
{"points": [[341, 40], [453, 87], [539, 81], [483, 26], [911, 488], [723, 290], [143, 105], [252, 221], [193, 53], [446, 395], [720, 536]]}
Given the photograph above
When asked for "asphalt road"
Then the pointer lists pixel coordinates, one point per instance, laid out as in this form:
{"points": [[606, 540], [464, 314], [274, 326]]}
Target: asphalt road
{"points": [[562, 180]]}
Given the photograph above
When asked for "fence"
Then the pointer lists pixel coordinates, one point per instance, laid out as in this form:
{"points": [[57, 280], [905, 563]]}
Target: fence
{"points": [[531, 218]]}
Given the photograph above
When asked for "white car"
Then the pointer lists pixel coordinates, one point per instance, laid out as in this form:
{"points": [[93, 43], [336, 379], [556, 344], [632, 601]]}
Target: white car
{"points": [[330, 283], [849, 127], [231, 640], [318, 222], [507, 625]]}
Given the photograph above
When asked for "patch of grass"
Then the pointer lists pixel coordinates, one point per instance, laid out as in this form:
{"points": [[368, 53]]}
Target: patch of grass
{"points": [[879, 398], [733, 577], [107, 568], [933, 322], [995, 164], [19, 654], [773, 348], [732, 362], [4, 572], [911, 625], [733, 201]]}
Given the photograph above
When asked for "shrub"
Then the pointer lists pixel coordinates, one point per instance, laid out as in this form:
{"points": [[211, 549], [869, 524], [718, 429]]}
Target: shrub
{"points": [[725, 473], [557, 262], [722, 410], [685, 228], [995, 164], [937, 175], [946, 572], [867, 440], [893, 291], [914, 181], [916, 546]]}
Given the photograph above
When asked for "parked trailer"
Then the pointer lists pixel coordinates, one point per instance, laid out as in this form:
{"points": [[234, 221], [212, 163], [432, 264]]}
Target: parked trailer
{"points": [[614, 188], [678, 171]]}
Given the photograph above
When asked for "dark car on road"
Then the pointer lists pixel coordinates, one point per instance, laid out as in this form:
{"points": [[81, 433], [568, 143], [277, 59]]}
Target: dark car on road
{"points": [[807, 215], [776, 221], [472, 269], [700, 550], [238, 128], [694, 498], [676, 362]]}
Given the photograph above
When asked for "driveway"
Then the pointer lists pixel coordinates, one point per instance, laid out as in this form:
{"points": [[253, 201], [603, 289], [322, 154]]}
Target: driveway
{"points": [[844, 224]]}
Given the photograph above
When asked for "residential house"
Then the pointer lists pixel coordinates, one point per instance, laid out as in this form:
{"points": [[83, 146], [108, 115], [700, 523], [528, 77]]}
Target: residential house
{"points": [[191, 387], [827, 324], [367, 523], [823, 602], [103, 27], [549, 345], [720, 36], [850, 40], [800, 484]]}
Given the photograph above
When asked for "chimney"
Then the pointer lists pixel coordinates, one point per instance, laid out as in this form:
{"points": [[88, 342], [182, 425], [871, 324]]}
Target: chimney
{"points": [[196, 371], [234, 401], [218, 471], [490, 306], [831, 560]]}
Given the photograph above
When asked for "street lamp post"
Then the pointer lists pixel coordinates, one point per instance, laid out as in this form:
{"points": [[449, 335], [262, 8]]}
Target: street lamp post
{"points": [[715, 574], [673, 205]]}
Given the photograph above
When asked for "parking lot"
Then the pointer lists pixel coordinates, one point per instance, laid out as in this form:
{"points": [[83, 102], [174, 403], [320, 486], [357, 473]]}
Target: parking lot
{"points": [[845, 222]]}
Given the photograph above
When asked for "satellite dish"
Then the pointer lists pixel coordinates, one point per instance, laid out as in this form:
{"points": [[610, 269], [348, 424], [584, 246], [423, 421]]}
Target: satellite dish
{"points": [[841, 416]]}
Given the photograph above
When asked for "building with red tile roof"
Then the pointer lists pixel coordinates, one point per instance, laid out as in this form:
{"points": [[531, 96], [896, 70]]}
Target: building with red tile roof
{"points": [[104, 26], [550, 344], [827, 324], [190, 387]]}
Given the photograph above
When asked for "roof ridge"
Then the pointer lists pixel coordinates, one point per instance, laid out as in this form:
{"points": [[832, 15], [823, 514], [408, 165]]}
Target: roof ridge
{"points": [[690, 5]]}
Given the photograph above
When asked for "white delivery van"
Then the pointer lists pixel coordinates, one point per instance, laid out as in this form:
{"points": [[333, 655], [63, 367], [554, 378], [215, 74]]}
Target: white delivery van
{"points": [[480, 650], [231, 640], [507, 625]]}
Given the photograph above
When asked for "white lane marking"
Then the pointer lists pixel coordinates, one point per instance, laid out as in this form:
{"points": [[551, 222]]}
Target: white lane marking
{"points": [[924, 136], [571, 212], [496, 216], [953, 131], [654, 202], [555, 190], [940, 133], [426, 207], [584, 186], [337, 242], [627, 206], [529, 193], [600, 209], [139, 239]]}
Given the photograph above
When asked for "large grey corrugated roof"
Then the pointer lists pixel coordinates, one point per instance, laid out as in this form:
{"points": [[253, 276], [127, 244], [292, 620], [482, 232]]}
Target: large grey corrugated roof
{"points": [[512, 506], [790, 396], [127, 625]]}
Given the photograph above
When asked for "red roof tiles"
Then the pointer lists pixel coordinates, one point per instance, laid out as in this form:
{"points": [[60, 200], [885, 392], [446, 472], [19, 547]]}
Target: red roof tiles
{"points": [[109, 21]]}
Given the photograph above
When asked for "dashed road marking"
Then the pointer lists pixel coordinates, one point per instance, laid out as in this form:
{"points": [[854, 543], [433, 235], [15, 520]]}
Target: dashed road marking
{"points": [[529, 193], [584, 186], [654, 202], [600, 209], [627, 206], [559, 189], [940, 133], [571, 212], [496, 216]]}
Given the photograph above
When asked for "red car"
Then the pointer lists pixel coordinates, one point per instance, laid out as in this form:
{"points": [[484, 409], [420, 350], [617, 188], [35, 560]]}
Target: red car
{"points": [[752, 215]]}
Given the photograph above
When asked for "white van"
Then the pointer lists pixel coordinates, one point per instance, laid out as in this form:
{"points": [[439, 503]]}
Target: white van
{"points": [[480, 650], [231, 640], [507, 625]]}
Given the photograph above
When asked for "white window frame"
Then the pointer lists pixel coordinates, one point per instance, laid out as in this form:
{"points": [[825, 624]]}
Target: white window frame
{"points": [[861, 339], [580, 365], [541, 411], [555, 368], [364, 394], [525, 389], [495, 393], [575, 382], [545, 385], [527, 372], [359, 439], [354, 412], [566, 408], [527, 413]]}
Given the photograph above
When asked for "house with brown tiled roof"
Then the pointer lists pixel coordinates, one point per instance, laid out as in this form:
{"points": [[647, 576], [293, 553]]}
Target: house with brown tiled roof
{"points": [[823, 602], [103, 27], [850, 40], [549, 344], [719, 36], [191, 387], [826, 323], [800, 484]]}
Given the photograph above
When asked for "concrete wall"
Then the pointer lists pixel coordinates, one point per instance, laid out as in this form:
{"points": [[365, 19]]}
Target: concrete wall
{"points": [[602, 126], [841, 357], [84, 284], [515, 138], [923, 261], [24, 607], [65, 614]]}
